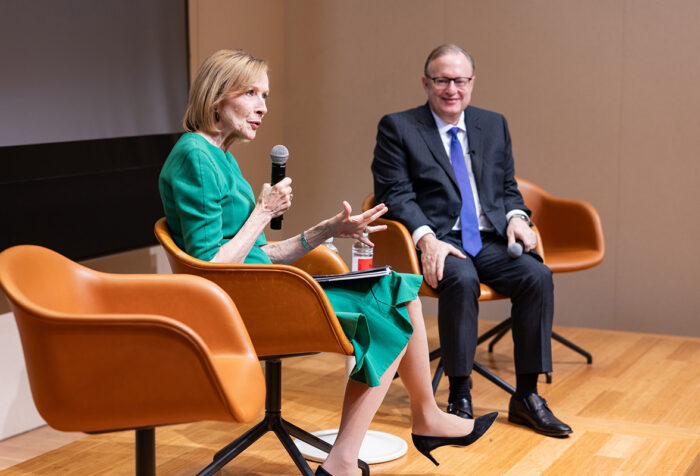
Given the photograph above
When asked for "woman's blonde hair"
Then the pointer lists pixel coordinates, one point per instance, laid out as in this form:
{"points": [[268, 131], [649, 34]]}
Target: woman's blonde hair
{"points": [[224, 72]]}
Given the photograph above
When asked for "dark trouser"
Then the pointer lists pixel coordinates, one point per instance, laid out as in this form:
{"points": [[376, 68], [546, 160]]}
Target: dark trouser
{"points": [[525, 280]]}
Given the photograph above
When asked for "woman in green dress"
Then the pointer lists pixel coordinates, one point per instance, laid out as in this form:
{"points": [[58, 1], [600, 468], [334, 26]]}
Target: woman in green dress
{"points": [[213, 215]]}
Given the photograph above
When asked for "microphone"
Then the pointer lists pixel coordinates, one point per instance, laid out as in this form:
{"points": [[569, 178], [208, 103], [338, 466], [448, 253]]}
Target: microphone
{"points": [[279, 156], [515, 250]]}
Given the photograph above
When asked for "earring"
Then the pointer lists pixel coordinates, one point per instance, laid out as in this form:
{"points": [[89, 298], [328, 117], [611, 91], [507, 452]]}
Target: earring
{"points": [[216, 115]]}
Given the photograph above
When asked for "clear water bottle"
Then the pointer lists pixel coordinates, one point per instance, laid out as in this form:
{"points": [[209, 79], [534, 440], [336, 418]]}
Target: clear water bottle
{"points": [[329, 244], [361, 255]]}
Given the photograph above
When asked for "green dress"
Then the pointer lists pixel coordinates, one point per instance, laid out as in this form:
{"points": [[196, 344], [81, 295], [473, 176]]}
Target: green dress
{"points": [[207, 200]]}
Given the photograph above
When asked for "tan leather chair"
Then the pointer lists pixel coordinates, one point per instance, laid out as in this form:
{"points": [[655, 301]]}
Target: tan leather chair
{"points": [[109, 352], [286, 313], [572, 235], [395, 247]]}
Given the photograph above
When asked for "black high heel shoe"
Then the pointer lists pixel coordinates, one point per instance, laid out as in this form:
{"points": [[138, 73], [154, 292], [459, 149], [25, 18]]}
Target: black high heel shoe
{"points": [[322, 472], [426, 444]]}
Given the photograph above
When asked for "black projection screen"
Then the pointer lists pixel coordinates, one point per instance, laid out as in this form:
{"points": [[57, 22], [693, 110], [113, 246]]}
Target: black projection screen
{"points": [[93, 94]]}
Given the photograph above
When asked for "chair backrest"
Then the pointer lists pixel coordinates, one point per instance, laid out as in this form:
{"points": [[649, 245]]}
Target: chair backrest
{"points": [[100, 356], [571, 230], [284, 309]]}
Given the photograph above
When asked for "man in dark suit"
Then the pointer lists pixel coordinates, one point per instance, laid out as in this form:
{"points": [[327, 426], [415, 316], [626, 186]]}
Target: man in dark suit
{"points": [[445, 170]]}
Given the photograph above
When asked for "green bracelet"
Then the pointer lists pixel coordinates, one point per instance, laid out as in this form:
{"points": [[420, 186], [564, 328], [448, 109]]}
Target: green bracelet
{"points": [[305, 243]]}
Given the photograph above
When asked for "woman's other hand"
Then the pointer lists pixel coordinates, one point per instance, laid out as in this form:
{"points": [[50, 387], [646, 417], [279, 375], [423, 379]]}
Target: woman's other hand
{"points": [[274, 200], [344, 225]]}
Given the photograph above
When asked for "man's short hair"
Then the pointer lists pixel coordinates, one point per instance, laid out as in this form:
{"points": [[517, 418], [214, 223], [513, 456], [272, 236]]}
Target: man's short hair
{"points": [[445, 49]]}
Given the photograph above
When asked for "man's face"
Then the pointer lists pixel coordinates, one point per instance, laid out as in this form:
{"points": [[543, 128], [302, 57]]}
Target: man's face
{"points": [[449, 101]]}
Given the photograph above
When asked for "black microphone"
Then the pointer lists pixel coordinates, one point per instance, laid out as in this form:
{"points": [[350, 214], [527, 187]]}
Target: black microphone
{"points": [[279, 156], [515, 250]]}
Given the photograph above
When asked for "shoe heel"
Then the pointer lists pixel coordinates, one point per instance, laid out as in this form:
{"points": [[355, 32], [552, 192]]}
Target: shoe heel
{"points": [[424, 448], [427, 454], [430, 457]]}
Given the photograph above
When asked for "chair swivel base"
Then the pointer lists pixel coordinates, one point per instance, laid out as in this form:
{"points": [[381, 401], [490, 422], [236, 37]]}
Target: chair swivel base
{"points": [[502, 329], [273, 421]]}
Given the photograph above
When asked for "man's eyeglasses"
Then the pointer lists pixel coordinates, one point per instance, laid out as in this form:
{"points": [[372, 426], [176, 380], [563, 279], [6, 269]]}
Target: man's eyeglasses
{"points": [[443, 82]]}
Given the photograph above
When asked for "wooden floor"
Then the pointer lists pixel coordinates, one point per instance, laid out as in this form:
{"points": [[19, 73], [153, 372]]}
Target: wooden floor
{"points": [[634, 411]]}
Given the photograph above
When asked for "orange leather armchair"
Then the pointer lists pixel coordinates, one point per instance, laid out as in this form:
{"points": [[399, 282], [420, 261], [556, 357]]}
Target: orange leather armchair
{"points": [[286, 313], [395, 247], [108, 352]]}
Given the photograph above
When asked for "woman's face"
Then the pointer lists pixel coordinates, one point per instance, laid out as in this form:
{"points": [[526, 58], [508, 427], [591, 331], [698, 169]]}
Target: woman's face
{"points": [[241, 115]]}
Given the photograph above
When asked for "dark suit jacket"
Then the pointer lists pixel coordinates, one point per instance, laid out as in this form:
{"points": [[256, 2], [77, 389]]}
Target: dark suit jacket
{"points": [[413, 175]]}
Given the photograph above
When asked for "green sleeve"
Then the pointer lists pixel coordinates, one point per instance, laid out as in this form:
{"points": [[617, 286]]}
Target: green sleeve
{"points": [[197, 202]]}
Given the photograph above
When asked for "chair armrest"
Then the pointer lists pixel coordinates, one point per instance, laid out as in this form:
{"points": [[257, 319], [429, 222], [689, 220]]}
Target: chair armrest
{"points": [[195, 302], [119, 371], [322, 260], [283, 308], [394, 246], [570, 225], [540, 245]]}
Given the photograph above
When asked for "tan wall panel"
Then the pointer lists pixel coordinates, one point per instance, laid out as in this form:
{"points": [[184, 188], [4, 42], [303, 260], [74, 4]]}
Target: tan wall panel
{"points": [[657, 273]]}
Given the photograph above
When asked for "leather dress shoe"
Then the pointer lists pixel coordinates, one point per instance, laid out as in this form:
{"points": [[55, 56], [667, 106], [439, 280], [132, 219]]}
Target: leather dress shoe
{"points": [[533, 411], [462, 407]]}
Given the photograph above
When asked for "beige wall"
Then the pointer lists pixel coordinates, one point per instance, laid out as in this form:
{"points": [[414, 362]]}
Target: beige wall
{"points": [[601, 98]]}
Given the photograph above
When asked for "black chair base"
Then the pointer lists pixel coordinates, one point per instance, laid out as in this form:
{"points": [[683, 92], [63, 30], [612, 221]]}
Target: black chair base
{"points": [[480, 369], [503, 328], [273, 421], [496, 333], [145, 452]]}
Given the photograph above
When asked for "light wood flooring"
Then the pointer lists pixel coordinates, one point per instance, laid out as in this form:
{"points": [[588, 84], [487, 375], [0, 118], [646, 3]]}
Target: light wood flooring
{"points": [[634, 411]]}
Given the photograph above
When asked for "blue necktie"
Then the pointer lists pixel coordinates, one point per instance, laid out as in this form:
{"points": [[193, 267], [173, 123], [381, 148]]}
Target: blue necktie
{"points": [[471, 237]]}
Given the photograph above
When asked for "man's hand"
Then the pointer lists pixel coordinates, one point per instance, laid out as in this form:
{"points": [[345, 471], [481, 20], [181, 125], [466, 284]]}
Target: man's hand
{"points": [[519, 229], [433, 254]]}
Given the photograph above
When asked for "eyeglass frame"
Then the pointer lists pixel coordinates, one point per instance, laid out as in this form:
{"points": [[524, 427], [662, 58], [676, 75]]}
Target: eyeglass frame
{"points": [[451, 80]]}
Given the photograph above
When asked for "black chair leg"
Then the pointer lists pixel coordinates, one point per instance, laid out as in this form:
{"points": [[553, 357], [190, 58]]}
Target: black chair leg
{"points": [[498, 337], [572, 346], [146, 452], [480, 369], [274, 422], [439, 371], [493, 378], [497, 329]]}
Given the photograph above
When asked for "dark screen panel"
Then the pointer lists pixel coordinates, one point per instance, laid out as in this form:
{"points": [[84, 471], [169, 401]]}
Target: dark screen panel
{"points": [[109, 206]]}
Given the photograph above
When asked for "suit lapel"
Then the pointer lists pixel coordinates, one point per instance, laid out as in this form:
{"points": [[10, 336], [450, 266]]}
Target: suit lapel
{"points": [[428, 129], [474, 135]]}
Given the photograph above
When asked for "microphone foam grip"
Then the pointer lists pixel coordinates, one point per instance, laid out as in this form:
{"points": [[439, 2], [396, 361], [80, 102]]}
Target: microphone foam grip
{"points": [[515, 250], [279, 154]]}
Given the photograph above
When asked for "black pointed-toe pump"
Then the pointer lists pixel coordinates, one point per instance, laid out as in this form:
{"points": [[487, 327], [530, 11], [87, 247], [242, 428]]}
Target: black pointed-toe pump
{"points": [[426, 444]]}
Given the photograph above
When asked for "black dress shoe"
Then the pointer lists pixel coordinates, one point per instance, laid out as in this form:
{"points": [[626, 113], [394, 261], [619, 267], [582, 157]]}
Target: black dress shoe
{"points": [[426, 444], [533, 411], [462, 407]]}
